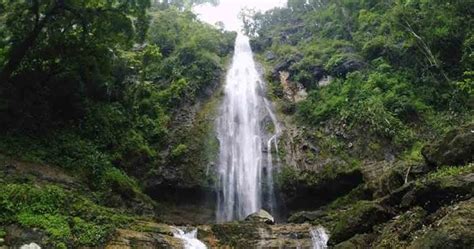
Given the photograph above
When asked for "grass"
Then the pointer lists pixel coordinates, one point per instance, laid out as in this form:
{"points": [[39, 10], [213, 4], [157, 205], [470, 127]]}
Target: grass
{"points": [[68, 218], [447, 171]]}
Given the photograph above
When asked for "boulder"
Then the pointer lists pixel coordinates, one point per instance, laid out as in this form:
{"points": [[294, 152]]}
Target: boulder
{"points": [[319, 72], [357, 218], [269, 56], [452, 228], [400, 230], [261, 216], [309, 75], [285, 65], [435, 193], [456, 148], [282, 66], [17, 236], [347, 66], [238, 234]]}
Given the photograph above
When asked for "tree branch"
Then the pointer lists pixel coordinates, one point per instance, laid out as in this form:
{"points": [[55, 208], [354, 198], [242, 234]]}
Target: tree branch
{"points": [[19, 51], [425, 50]]}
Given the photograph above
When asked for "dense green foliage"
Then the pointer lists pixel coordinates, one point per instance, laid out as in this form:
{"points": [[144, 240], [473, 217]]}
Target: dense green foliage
{"points": [[68, 218], [99, 85], [97, 88], [111, 99], [385, 82], [402, 69]]}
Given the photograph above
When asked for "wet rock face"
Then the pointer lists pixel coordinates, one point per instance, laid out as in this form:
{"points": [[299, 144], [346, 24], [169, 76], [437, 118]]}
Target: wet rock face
{"points": [[456, 148], [125, 239], [182, 206], [261, 216], [310, 189], [18, 236], [144, 234], [257, 235]]}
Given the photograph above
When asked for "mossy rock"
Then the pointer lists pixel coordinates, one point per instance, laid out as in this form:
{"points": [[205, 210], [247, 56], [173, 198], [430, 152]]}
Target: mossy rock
{"points": [[454, 230], [434, 193], [387, 178], [124, 238], [261, 216], [305, 216], [358, 218], [398, 232], [455, 148], [357, 194], [239, 234], [15, 236], [310, 189], [359, 241], [152, 227]]}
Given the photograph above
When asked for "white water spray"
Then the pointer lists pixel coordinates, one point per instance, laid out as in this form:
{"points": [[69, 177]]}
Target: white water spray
{"points": [[241, 138], [30, 246], [319, 238], [189, 239]]}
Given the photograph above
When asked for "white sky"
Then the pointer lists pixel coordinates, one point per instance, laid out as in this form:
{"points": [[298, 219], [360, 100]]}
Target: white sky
{"points": [[227, 11]]}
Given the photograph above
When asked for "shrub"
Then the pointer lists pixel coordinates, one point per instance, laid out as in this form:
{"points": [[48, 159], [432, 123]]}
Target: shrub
{"points": [[66, 217]]}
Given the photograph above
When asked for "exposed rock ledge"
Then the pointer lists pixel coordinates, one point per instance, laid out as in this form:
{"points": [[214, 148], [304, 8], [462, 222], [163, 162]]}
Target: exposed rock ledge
{"points": [[238, 234]]}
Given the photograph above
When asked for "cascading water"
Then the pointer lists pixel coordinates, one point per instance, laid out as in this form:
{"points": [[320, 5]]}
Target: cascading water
{"points": [[273, 141], [319, 238], [241, 135], [30, 246], [189, 239]]}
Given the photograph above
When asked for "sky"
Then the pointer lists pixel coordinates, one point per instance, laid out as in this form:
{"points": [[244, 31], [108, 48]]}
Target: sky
{"points": [[228, 10]]}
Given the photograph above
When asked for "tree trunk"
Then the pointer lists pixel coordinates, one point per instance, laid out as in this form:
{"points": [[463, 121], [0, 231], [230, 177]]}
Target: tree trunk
{"points": [[19, 51]]}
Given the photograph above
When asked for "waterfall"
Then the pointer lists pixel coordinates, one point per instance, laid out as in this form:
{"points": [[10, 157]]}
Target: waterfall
{"points": [[242, 137], [273, 141], [319, 238], [189, 239], [30, 246]]}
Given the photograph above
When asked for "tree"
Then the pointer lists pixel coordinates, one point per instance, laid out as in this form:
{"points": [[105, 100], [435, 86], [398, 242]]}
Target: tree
{"points": [[30, 20]]}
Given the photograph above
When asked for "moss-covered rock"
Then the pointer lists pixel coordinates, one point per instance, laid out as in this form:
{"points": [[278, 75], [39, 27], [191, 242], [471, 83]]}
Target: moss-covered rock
{"points": [[256, 235], [358, 218], [310, 189], [127, 239], [239, 234], [261, 216], [15, 236], [399, 232], [383, 178], [455, 148], [359, 241], [452, 227], [355, 195], [434, 193], [305, 216]]}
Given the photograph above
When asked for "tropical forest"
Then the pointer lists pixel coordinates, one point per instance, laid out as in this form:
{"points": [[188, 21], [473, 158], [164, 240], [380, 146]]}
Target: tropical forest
{"points": [[303, 124]]}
